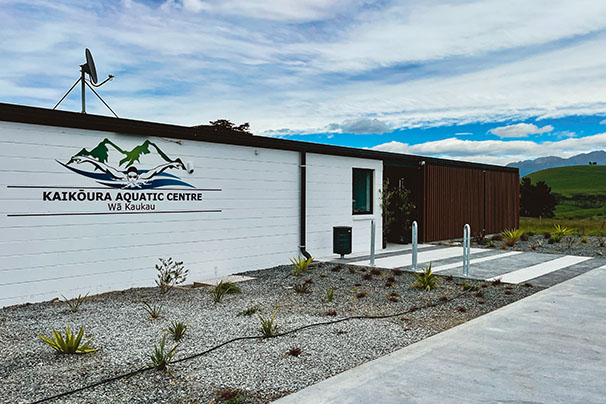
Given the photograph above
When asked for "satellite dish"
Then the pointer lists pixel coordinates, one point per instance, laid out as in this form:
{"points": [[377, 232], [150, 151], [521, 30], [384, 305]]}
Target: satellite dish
{"points": [[89, 67]]}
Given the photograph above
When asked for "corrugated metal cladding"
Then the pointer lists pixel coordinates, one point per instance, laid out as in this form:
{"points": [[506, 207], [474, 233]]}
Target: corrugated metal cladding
{"points": [[455, 196]]}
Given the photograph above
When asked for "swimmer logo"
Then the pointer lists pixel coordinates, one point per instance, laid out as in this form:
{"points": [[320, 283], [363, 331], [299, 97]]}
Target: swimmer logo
{"points": [[127, 175]]}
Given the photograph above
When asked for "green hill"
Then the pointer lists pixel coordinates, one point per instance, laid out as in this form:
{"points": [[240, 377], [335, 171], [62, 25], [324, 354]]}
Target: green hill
{"points": [[571, 180], [582, 190]]}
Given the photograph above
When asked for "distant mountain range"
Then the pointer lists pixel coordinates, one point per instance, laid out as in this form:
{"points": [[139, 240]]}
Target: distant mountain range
{"points": [[530, 166]]}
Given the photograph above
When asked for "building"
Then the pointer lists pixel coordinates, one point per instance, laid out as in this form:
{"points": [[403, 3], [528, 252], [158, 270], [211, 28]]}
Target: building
{"points": [[90, 203]]}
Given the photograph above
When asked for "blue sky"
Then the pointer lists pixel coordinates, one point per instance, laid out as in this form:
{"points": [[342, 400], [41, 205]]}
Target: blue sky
{"points": [[486, 80]]}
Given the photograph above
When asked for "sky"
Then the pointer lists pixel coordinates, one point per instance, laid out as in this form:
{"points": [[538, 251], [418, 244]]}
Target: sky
{"points": [[486, 81]]}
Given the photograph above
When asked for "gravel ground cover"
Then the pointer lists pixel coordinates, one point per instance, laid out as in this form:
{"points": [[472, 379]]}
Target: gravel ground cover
{"points": [[261, 368], [585, 246]]}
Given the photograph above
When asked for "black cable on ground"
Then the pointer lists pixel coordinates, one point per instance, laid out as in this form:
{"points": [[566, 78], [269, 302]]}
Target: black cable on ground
{"points": [[143, 369]]}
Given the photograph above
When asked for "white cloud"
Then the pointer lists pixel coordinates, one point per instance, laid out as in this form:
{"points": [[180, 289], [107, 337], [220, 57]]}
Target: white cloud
{"points": [[498, 151], [520, 130], [364, 126]]}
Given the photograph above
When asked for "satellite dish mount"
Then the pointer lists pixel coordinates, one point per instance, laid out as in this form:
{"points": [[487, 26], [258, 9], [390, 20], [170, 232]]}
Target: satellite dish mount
{"points": [[88, 68]]}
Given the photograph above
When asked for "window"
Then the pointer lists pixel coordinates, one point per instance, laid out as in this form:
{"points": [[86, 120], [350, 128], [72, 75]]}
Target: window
{"points": [[362, 191]]}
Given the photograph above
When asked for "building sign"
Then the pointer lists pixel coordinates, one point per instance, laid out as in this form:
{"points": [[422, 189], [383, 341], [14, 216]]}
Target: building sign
{"points": [[118, 181]]}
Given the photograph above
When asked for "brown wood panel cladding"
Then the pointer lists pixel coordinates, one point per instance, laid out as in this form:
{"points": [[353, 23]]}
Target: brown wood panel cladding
{"points": [[455, 196]]}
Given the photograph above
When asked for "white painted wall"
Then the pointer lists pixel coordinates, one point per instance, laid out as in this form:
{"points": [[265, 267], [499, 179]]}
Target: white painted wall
{"points": [[329, 203], [45, 256]]}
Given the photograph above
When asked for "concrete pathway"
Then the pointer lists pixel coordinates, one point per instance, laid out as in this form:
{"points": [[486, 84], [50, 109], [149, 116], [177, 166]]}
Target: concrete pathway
{"points": [[486, 264], [547, 348]]}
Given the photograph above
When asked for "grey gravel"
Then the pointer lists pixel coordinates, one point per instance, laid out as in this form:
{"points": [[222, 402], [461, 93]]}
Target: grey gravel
{"points": [[261, 368]]}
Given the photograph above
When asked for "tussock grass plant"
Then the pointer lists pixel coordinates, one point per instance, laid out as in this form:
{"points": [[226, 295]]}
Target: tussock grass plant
{"points": [[170, 274], [154, 311], [426, 279], [559, 232], [162, 357], [223, 288], [74, 304], [269, 327], [295, 351], [470, 286], [70, 344], [177, 330], [300, 265], [511, 237], [329, 292]]}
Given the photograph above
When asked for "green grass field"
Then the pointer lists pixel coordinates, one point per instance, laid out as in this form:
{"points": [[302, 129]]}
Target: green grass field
{"points": [[567, 181], [588, 227], [575, 180]]}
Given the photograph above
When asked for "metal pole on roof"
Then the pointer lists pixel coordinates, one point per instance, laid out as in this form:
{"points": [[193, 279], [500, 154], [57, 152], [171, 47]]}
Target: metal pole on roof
{"points": [[372, 243]]}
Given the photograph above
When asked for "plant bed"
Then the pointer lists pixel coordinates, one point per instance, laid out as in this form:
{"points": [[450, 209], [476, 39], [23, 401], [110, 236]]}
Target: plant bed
{"points": [[258, 370]]}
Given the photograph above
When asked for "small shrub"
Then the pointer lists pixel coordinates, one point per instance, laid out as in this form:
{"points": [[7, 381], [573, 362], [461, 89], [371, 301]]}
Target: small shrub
{"points": [[249, 312], [560, 231], [412, 309], [599, 252], [528, 284], [443, 299], [483, 285], [154, 311], [74, 304], [388, 284], [170, 274], [70, 344], [491, 244], [361, 295], [393, 299], [480, 238], [177, 330], [524, 237], [396, 272], [511, 237], [351, 269], [330, 294], [336, 268], [302, 287], [461, 309], [391, 279], [569, 241], [295, 351], [357, 284], [531, 233], [330, 313], [551, 240], [223, 288], [533, 247], [479, 294], [309, 281], [323, 276], [300, 265], [269, 327], [469, 286], [583, 240], [426, 279], [508, 292], [375, 271], [496, 281], [394, 294], [481, 301], [449, 277], [546, 235], [230, 396], [601, 239], [367, 277]]}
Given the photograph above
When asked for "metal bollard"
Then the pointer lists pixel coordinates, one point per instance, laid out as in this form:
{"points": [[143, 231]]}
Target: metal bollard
{"points": [[372, 243], [415, 233], [466, 248]]}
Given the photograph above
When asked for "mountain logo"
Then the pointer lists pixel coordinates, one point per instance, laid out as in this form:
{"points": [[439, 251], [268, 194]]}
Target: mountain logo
{"points": [[127, 174]]}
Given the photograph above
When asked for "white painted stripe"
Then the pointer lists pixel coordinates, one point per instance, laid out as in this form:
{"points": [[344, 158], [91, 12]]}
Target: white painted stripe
{"points": [[475, 261], [422, 257], [402, 249], [525, 274]]}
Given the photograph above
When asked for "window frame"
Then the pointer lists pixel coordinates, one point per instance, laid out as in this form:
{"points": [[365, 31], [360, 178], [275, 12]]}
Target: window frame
{"points": [[353, 185]]}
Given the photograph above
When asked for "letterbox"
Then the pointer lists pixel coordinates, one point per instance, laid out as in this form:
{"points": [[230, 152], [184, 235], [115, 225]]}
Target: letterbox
{"points": [[341, 240]]}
